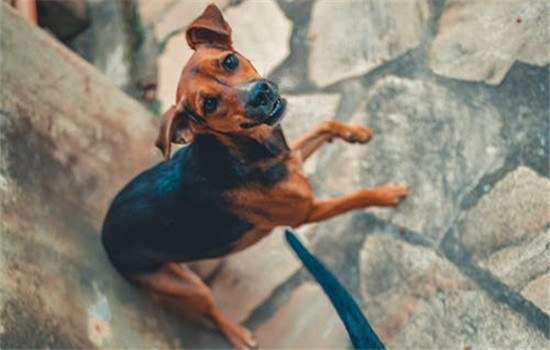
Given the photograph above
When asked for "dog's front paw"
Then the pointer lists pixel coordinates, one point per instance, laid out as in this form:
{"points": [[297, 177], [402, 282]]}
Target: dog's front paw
{"points": [[391, 194], [356, 134]]}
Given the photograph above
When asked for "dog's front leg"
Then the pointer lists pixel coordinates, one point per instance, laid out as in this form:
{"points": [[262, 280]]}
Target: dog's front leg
{"points": [[388, 195], [325, 132]]}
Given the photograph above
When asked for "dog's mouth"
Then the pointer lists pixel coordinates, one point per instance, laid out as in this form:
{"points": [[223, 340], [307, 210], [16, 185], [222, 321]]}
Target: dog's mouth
{"points": [[276, 113], [274, 116]]}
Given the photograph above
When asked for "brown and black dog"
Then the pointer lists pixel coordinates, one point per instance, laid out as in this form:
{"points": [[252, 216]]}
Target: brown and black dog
{"points": [[235, 181]]}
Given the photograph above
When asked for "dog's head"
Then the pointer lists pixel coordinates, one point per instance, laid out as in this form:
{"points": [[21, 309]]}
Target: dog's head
{"points": [[219, 90]]}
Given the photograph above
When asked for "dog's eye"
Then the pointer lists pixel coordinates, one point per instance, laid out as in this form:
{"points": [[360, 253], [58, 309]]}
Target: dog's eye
{"points": [[230, 62], [209, 105]]}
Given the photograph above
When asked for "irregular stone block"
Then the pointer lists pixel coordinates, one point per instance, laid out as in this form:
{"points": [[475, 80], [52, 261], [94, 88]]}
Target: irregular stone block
{"points": [[430, 140], [307, 320], [537, 292], [507, 232], [354, 37], [517, 208], [480, 41], [261, 32], [179, 14], [66, 122], [304, 112], [170, 64], [154, 11], [417, 299]]}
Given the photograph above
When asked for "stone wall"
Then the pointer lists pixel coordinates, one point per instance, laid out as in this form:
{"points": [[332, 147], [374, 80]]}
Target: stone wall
{"points": [[457, 95]]}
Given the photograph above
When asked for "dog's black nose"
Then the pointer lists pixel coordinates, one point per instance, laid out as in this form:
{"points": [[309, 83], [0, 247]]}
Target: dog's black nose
{"points": [[260, 97], [263, 93]]}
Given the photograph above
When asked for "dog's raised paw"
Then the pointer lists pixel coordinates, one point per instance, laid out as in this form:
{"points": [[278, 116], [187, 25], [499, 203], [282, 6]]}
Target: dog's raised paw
{"points": [[392, 194], [357, 134]]}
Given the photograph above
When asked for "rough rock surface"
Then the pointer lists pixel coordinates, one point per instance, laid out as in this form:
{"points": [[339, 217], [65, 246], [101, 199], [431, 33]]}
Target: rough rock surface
{"points": [[515, 245], [75, 116], [374, 32], [170, 65], [177, 15], [462, 263], [440, 150], [70, 140], [418, 299], [154, 11], [480, 41], [304, 112], [267, 44]]}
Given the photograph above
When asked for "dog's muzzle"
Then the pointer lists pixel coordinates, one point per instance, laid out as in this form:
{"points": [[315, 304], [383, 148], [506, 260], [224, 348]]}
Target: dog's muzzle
{"points": [[262, 102]]}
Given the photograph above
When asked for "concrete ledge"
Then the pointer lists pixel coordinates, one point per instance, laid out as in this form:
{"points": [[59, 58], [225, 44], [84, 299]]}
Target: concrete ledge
{"points": [[69, 141]]}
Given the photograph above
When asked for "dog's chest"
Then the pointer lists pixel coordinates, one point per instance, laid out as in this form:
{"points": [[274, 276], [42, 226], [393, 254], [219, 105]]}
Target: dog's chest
{"points": [[287, 202]]}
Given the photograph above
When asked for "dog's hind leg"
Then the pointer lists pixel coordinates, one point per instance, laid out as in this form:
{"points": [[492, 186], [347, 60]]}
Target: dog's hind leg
{"points": [[308, 143], [178, 281]]}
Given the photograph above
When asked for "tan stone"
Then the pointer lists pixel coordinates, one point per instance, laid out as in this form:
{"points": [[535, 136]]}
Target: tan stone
{"points": [[517, 208], [467, 319], [519, 262], [70, 140], [351, 38], [303, 113], [153, 10], [480, 41], [538, 291], [507, 232], [307, 320], [419, 131], [181, 14], [249, 277], [417, 299], [261, 32], [170, 64], [90, 138]]}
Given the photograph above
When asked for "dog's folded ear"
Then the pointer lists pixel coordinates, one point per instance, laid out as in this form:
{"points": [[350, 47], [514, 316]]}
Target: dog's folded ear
{"points": [[174, 127], [209, 28]]}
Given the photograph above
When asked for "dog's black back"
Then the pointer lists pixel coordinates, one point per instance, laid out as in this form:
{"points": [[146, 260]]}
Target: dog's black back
{"points": [[174, 211], [177, 211]]}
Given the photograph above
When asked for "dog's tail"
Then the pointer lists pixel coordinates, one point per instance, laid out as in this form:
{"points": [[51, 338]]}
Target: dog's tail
{"points": [[360, 332]]}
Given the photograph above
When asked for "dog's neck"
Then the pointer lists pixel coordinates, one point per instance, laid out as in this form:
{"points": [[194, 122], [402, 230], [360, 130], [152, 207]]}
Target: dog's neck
{"points": [[259, 147], [258, 154]]}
